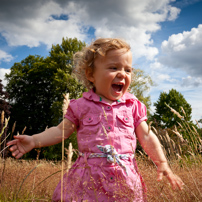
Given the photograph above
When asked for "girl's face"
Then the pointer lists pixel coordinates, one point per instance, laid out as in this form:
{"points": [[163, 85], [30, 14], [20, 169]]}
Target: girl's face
{"points": [[112, 74]]}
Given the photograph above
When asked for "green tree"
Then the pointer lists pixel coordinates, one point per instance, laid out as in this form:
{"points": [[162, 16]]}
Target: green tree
{"points": [[140, 84], [36, 86], [163, 115], [4, 105]]}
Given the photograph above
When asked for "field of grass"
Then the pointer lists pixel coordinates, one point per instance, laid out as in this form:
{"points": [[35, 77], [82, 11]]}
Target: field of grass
{"points": [[35, 180], [26, 180]]}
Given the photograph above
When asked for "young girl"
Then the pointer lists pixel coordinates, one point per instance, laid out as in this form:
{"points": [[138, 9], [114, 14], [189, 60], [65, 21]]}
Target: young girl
{"points": [[108, 120]]}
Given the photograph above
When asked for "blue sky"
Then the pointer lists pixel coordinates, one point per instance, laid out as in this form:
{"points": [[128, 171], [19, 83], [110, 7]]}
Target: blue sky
{"points": [[165, 36]]}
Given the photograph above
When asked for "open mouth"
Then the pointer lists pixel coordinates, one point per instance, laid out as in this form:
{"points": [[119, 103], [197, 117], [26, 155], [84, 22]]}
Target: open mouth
{"points": [[117, 87]]}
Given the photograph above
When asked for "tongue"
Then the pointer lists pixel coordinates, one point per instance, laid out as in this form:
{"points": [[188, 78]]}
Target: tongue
{"points": [[116, 87]]}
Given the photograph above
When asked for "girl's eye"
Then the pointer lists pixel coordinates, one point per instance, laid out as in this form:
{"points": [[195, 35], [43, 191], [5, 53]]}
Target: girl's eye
{"points": [[113, 68], [128, 70]]}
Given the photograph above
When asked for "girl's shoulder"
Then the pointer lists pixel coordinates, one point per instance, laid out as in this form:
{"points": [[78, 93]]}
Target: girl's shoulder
{"points": [[128, 97], [87, 103]]}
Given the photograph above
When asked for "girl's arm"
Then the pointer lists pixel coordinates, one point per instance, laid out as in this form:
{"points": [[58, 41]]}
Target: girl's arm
{"points": [[24, 143], [152, 147]]}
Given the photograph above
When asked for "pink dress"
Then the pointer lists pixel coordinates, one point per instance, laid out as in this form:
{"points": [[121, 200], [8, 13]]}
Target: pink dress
{"points": [[106, 169]]}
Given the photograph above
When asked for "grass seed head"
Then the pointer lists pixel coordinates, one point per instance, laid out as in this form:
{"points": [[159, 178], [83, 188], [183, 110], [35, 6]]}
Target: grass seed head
{"points": [[66, 102], [183, 111], [175, 112], [179, 135], [2, 117], [154, 130], [179, 124]]}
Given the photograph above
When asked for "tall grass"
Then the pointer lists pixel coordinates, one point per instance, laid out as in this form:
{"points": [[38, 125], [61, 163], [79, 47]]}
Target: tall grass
{"points": [[35, 180], [39, 184]]}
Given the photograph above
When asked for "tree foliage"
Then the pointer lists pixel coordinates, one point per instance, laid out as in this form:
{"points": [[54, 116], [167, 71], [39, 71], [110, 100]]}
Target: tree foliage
{"points": [[4, 105], [164, 116], [36, 86], [140, 84]]}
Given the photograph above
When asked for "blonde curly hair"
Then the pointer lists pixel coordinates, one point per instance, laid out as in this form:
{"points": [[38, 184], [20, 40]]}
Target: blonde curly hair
{"points": [[85, 59]]}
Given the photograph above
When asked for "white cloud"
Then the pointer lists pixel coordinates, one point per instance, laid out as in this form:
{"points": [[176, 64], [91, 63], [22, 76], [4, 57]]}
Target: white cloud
{"points": [[156, 66], [35, 25], [163, 77], [191, 81], [3, 71], [174, 12], [32, 23], [5, 57], [184, 51]]}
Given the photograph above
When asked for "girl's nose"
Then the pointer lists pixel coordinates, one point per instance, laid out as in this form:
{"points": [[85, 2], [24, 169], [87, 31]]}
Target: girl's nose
{"points": [[121, 74]]}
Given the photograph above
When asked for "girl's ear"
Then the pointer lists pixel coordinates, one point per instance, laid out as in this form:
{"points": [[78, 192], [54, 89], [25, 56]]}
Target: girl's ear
{"points": [[89, 75]]}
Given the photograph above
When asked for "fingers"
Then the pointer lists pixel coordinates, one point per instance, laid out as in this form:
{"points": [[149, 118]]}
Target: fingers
{"points": [[15, 151], [14, 147], [13, 142], [176, 182], [18, 155], [17, 139]]}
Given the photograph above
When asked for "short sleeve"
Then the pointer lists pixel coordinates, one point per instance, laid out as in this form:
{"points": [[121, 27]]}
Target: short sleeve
{"points": [[139, 113], [72, 112]]}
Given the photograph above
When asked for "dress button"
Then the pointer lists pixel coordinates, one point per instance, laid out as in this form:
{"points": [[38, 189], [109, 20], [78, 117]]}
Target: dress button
{"points": [[111, 179], [109, 128], [108, 108], [89, 119], [126, 119]]}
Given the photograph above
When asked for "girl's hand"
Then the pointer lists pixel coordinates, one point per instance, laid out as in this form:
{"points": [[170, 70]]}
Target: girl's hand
{"points": [[164, 170], [21, 145]]}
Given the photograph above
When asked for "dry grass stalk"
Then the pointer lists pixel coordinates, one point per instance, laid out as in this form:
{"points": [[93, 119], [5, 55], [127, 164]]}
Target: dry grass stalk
{"points": [[105, 132], [141, 153], [13, 128], [197, 124], [179, 135], [2, 117], [175, 112], [171, 145], [179, 124], [66, 102], [69, 157], [155, 130], [183, 111], [196, 133], [178, 156], [179, 149], [24, 130], [149, 126], [194, 129], [105, 115], [5, 126], [65, 105]]}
